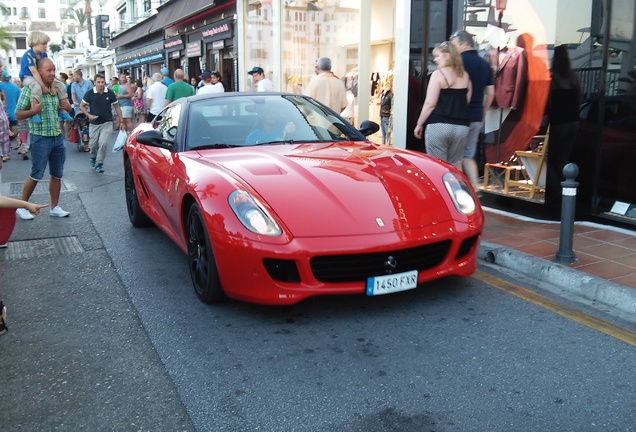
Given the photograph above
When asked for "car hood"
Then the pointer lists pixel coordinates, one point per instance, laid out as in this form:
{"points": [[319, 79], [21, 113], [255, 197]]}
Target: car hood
{"points": [[341, 189]]}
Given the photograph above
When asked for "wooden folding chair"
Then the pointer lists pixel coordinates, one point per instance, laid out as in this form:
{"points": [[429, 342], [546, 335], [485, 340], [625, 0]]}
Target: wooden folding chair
{"points": [[533, 163]]}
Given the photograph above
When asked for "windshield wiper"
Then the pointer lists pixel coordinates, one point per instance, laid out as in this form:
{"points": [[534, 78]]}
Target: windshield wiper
{"points": [[275, 142], [212, 146]]}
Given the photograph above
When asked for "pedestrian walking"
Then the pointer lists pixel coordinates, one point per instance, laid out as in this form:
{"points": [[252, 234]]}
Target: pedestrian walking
{"points": [[326, 88], [179, 88], [211, 83], [47, 141], [11, 94], [79, 87], [125, 95], [445, 112], [139, 102], [386, 107], [65, 123], [5, 124], [259, 80], [101, 102], [156, 96], [483, 83], [5, 140], [165, 76]]}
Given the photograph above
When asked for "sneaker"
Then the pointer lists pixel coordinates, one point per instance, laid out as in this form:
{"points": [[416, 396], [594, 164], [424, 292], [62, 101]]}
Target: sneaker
{"points": [[24, 214], [36, 118], [99, 168], [58, 212], [93, 162], [65, 116]]}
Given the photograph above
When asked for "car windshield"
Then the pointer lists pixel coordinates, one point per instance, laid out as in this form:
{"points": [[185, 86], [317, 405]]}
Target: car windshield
{"points": [[250, 120]]}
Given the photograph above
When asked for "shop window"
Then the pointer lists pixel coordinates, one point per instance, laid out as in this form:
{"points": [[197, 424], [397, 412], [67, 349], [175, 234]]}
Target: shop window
{"points": [[318, 33], [20, 43]]}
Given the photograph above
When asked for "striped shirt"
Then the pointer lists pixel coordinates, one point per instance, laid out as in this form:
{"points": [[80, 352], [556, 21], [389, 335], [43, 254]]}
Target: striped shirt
{"points": [[50, 125]]}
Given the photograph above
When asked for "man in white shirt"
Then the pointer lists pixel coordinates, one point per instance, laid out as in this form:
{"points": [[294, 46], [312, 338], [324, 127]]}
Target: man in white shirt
{"points": [[156, 96], [211, 83], [258, 78]]}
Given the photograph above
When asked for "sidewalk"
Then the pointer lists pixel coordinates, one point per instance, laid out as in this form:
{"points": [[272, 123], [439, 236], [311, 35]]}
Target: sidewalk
{"points": [[605, 267]]}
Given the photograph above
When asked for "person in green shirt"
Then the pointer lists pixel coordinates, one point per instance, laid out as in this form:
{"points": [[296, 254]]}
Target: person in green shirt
{"points": [[179, 88]]}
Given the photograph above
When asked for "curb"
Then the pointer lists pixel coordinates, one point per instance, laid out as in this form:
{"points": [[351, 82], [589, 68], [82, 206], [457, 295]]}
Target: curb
{"points": [[575, 282]]}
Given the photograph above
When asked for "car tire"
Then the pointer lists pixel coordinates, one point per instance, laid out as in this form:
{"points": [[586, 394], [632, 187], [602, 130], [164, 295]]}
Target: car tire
{"points": [[138, 218], [203, 271]]}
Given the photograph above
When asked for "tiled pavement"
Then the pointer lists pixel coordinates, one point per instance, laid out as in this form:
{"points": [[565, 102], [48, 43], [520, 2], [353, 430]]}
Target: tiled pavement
{"points": [[603, 251]]}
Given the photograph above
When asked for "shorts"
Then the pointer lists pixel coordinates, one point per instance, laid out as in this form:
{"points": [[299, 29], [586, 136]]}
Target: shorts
{"points": [[471, 142], [446, 141], [13, 123], [126, 111], [45, 150]]}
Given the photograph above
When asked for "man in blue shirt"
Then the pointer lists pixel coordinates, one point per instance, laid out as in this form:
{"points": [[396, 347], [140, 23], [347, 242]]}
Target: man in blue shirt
{"points": [[79, 88], [166, 76], [483, 82]]}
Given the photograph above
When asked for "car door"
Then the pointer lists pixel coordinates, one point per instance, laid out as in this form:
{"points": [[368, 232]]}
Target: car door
{"points": [[157, 165]]}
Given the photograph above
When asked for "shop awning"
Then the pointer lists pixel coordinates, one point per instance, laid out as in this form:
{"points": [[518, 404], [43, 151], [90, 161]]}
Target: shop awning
{"points": [[177, 11], [168, 14], [134, 33]]}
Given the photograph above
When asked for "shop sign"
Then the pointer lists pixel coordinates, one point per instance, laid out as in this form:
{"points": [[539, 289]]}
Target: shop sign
{"points": [[219, 30], [173, 43], [193, 49], [140, 60], [218, 45], [175, 54], [151, 57]]}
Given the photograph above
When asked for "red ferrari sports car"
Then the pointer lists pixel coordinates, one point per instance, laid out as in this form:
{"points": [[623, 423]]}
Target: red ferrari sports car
{"points": [[275, 198]]}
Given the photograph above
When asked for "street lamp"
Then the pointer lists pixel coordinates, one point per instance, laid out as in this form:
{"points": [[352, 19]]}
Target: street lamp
{"points": [[500, 5]]}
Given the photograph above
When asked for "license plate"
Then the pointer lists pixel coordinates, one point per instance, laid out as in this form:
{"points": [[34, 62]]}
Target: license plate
{"points": [[391, 283]]}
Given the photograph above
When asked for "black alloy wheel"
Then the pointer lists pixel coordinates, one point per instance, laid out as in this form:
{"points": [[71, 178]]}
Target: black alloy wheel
{"points": [[138, 218], [203, 271]]}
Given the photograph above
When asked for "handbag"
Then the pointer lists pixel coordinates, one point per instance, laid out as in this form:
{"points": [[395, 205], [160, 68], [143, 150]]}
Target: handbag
{"points": [[73, 136], [120, 141]]}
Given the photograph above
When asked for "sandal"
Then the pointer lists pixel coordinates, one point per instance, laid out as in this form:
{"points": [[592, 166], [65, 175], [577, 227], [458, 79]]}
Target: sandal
{"points": [[3, 316]]}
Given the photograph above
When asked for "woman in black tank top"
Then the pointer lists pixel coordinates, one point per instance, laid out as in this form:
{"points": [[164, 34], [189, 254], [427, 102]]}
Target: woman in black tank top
{"points": [[445, 110]]}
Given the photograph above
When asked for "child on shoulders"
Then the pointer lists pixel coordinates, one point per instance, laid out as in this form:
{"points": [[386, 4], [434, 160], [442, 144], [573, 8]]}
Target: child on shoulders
{"points": [[38, 43]]}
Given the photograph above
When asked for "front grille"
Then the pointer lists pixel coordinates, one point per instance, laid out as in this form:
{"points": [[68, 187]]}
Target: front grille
{"points": [[358, 267]]}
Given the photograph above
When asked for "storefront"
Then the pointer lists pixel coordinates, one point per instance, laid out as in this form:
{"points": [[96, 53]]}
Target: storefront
{"points": [[367, 42], [142, 61], [204, 41], [175, 52], [598, 39]]}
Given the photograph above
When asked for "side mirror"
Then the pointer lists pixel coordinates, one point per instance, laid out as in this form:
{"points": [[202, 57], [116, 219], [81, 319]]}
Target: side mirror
{"points": [[368, 128], [154, 138]]}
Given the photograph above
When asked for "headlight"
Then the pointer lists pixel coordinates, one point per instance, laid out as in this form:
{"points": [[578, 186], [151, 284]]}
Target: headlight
{"points": [[252, 214], [460, 193]]}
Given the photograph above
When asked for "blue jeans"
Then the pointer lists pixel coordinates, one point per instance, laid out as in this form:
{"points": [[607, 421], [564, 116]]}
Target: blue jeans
{"points": [[385, 125], [47, 150]]}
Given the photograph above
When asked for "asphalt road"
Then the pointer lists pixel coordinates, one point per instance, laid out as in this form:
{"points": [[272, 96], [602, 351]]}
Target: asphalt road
{"points": [[114, 338]]}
